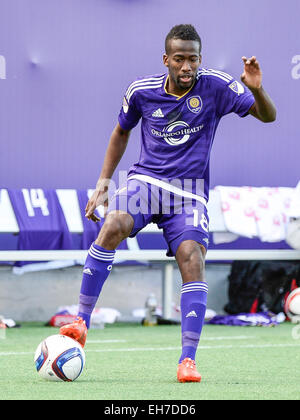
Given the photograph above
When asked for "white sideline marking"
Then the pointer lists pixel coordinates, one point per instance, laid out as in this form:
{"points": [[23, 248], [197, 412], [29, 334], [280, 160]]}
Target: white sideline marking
{"points": [[15, 353], [236, 337], [135, 349], [255, 346], [105, 341]]}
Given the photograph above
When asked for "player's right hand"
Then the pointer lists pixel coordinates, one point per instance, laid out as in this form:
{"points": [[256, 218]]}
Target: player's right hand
{"points": [[98, 198]]}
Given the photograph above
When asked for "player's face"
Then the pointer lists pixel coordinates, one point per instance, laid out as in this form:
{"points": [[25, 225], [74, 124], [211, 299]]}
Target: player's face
{"points": [[183, 60]]}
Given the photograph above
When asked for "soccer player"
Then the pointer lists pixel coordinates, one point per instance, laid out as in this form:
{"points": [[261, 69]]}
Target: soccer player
{"points": [[179, 113]]}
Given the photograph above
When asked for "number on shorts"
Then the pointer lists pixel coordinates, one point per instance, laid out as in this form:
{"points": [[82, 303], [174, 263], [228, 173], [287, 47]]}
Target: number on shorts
{"points": [[203, 220]]}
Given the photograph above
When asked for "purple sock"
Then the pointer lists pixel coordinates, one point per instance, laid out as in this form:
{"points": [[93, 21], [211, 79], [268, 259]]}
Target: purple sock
{"points": [[193, 307], [96, 270]]}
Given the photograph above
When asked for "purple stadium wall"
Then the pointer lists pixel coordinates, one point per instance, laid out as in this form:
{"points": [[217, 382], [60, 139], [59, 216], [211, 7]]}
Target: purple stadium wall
{"points": [[65, 64]]}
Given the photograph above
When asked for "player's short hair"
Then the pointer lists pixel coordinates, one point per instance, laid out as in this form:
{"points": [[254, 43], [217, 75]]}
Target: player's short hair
{"points": [[186, 32]]}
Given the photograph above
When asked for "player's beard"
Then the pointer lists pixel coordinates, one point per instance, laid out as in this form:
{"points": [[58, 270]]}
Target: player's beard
{"points": [[184, 86]]}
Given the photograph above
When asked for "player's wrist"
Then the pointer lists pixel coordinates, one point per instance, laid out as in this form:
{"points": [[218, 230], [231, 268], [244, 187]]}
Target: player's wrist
{"points": [[256, 89], [102, 184]]}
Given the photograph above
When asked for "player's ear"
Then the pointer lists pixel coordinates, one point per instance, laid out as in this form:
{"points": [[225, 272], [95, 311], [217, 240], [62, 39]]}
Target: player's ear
{"points": [[200, 59], [166, 60]]}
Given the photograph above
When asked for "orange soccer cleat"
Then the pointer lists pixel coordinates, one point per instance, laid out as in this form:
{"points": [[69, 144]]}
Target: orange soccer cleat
{"points": [[187, 372], [77, 330]]}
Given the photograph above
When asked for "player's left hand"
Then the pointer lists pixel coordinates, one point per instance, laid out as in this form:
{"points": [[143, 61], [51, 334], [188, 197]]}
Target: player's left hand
{"points": [[252, 75]]}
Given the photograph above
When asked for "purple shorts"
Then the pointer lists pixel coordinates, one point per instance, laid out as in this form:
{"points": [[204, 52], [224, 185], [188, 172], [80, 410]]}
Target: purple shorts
{"points": [[181, 215]]}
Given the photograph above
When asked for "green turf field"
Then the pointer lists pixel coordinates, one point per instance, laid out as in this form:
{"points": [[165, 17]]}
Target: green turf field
{"points": [[132, 362]]}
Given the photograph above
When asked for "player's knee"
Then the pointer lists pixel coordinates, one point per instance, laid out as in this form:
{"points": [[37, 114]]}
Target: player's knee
{"points": [[116, 228], [191, 253]]}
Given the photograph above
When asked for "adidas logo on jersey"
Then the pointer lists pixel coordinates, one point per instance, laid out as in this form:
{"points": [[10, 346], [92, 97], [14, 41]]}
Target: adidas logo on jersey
{"points": [[87, 271], [192, 313], [158, 113]]}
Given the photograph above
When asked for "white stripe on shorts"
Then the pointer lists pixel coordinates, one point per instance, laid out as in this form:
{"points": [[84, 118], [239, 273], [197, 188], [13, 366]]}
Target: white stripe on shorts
{"points": [[169, 187]]}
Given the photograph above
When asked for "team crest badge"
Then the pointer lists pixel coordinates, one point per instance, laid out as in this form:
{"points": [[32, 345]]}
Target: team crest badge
{"points": [[194, 104], [237, 87]]}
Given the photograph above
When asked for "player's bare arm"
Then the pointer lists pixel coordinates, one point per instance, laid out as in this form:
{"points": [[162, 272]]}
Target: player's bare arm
{"points": [[263, 108], [115, 150]]}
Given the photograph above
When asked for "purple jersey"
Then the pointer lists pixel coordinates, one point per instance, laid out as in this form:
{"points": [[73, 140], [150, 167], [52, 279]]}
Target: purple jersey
{"points": [[177, 132]]}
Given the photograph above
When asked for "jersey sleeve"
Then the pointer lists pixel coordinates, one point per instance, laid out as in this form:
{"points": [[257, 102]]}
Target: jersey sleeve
{"points": [[235, 97], [130, 112]]}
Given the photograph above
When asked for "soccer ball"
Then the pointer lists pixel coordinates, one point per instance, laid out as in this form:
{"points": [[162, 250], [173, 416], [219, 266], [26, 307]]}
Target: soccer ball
{"points": [[292, 305], [59, 358]]}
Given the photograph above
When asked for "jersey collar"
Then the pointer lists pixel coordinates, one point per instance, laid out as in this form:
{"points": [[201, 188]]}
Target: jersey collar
{"points": [[172, 94]]}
